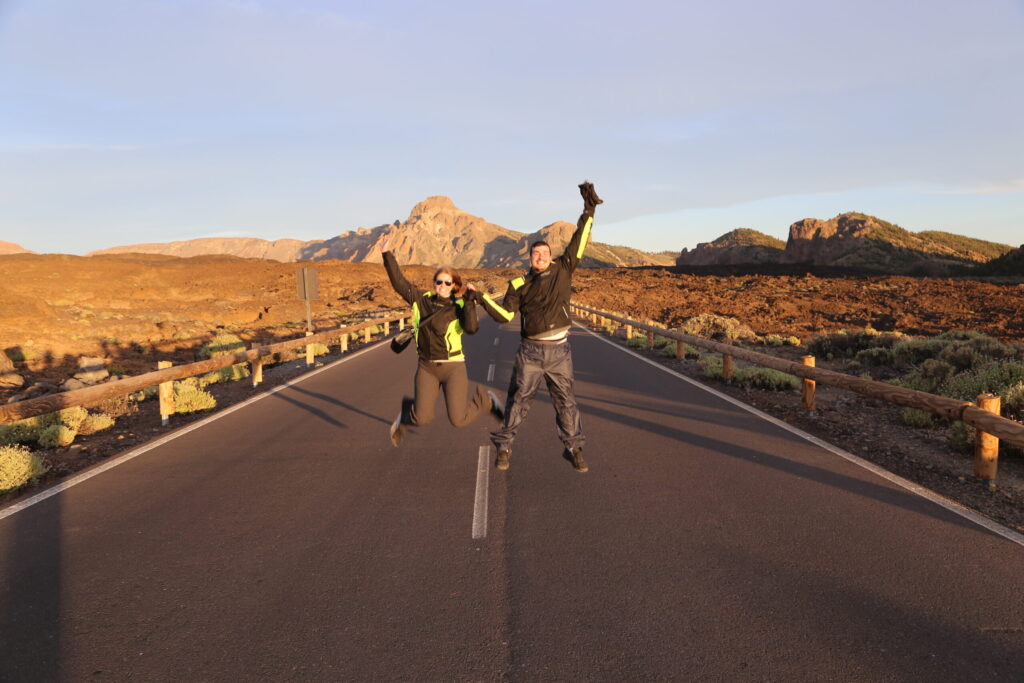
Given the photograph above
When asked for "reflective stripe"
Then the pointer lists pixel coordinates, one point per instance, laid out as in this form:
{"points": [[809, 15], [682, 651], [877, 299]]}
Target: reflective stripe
{"points": [[583, 239], [517, 283], [453, 340], [501, 311], [416, 321]]}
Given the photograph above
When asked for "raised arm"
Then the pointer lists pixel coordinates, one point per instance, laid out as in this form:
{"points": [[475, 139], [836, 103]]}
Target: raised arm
{"points": [[505, 311], [404, 288], [467, 312], [573, 253]]}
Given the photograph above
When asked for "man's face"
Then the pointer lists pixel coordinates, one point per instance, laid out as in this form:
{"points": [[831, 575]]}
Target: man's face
{"points": [[540, 257]]}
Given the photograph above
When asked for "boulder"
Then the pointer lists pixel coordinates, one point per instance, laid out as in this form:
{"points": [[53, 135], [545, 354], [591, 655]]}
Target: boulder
{"points": [[11, 380], [72, 384], [91, 370]]}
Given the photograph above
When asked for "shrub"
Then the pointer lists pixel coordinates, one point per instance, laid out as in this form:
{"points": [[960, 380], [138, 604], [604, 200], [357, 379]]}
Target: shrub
{"points": [[874, 356], [961, 436], [993, 378], [766, 379], [20, 432], [637, 342], [712, 367], [115, 369], [72, 417], [57, 435], [710, 325], [96, 423], [917, 418], [119, 406], [189, 398], [18, 466], [843, 344], [688, 351], [916, 351], [929, 377], [318, 350], [223, 344], [228, 374]]}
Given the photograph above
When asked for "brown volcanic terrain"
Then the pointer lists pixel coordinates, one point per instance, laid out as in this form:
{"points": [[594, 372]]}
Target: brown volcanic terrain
{"points": [[135, 307]]}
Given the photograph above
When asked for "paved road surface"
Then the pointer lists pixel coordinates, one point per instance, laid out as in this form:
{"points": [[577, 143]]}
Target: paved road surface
{"points": [[288, 540]]}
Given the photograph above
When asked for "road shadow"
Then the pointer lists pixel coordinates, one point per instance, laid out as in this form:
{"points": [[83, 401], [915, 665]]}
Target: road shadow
{"points": [[327, 399], [880, 493]]}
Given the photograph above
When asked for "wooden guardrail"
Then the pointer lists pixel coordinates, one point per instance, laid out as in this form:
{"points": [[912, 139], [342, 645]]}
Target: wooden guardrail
{"points": [[42, 405], [984, 421]]}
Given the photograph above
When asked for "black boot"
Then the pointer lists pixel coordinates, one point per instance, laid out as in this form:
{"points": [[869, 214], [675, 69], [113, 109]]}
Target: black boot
{"points": [[590, 198], [501, 461]]}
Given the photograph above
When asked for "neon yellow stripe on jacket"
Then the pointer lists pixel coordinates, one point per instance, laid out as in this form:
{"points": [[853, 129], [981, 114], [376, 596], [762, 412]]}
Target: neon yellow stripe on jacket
{"points": [[501, 311], [583, 238]]}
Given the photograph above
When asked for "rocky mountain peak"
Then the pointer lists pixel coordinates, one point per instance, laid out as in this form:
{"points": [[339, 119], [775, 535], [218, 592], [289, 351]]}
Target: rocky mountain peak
{"points": [[12, 248]]}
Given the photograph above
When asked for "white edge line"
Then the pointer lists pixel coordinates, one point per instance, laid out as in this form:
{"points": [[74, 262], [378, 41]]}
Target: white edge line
{"points": [[490, 372], [928, 494], [480, 501], [110, 464]]}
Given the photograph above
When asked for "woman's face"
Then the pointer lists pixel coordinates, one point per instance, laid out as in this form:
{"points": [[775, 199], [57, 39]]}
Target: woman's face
{"points": [[443, 284]]}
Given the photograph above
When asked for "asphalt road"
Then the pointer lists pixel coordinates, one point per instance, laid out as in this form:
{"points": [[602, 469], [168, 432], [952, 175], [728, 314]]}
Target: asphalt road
{"points": [[288, 540]]}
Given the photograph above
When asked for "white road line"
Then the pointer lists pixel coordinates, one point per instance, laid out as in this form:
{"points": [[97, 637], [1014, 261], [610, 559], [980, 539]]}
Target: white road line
{"points": [[495, 341], [480, 505], [927, 494], [110, 464], [490, 372]]}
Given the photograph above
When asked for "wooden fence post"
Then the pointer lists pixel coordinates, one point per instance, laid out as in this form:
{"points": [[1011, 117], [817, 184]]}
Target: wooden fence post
{"points": [[166, 393], [986, 446], [344, 342], [629, 332], [387, 327], [309, 351], [366, 334], [680, 350], [256, 368], [727, 367], [650, 338], [809, 399], [401, 324]]}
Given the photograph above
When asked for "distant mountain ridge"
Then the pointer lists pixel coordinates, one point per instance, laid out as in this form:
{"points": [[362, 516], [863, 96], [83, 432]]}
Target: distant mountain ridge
{"points": [[436, 232], [12, 248], [850, 240]]}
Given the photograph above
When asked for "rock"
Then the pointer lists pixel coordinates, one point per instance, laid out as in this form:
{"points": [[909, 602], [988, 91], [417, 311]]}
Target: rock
{"points": [[93, 370], [72, 384], [6, 364], [11, 380]]}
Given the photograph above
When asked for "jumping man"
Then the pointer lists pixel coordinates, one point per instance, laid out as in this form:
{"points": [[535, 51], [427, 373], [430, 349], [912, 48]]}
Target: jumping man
{"points": [[542, 299]]}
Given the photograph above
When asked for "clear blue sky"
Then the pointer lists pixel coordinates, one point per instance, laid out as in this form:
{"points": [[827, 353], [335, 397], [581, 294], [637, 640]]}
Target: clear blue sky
{"points": [[125, 121]]}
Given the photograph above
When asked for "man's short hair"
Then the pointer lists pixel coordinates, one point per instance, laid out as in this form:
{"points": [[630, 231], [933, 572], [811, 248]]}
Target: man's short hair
{"points": [[539, 243]]}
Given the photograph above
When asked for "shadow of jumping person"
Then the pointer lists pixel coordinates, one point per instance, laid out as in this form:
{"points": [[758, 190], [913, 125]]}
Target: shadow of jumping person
{"points": [[31, 592]]}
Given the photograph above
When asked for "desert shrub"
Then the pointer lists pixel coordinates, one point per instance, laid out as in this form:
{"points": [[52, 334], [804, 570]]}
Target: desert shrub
{"points": [[916, 351], [712, 367], [228, 374], [20, 432], [994, 378], [688, 351], [318, 350], [844, 344], [115, 369], [223, 344], [57, 435], [766, 379], [637, 342], [711, 325], [961, 436], [118, 406], [929, 377], [18, 466], [96, 423], [189, 398], [72, 418], [917, 418], [874, 357], [1013, 400], [661, 342]]}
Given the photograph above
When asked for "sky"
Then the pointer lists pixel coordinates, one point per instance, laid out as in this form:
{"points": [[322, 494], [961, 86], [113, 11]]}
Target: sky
{"points": [[128, 121]]}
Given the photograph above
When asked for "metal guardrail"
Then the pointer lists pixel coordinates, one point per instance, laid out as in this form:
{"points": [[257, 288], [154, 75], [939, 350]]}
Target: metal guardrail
{"points": [[1005, 429]]}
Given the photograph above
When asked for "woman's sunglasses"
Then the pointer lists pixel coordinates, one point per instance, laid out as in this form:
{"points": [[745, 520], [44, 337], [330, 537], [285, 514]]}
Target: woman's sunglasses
{"points": [[446, 283]]}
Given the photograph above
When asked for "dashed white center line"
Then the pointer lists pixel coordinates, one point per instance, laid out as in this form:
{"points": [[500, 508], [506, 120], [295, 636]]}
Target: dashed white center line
{"points": [[490, 372], [495, 341], [480, 506]]}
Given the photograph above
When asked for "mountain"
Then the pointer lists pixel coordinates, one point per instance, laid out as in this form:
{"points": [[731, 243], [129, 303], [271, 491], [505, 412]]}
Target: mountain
{"points": [[1010, 263], [436, 232], [857, 240], [12, 248], [741, 245]]}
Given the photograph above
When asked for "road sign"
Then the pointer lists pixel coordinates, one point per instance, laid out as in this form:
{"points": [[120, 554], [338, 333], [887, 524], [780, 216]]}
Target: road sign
{"points": [[308, 286]]}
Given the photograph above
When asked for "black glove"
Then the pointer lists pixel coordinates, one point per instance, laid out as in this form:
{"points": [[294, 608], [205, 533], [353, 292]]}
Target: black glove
{"points": [[590, 198]]}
